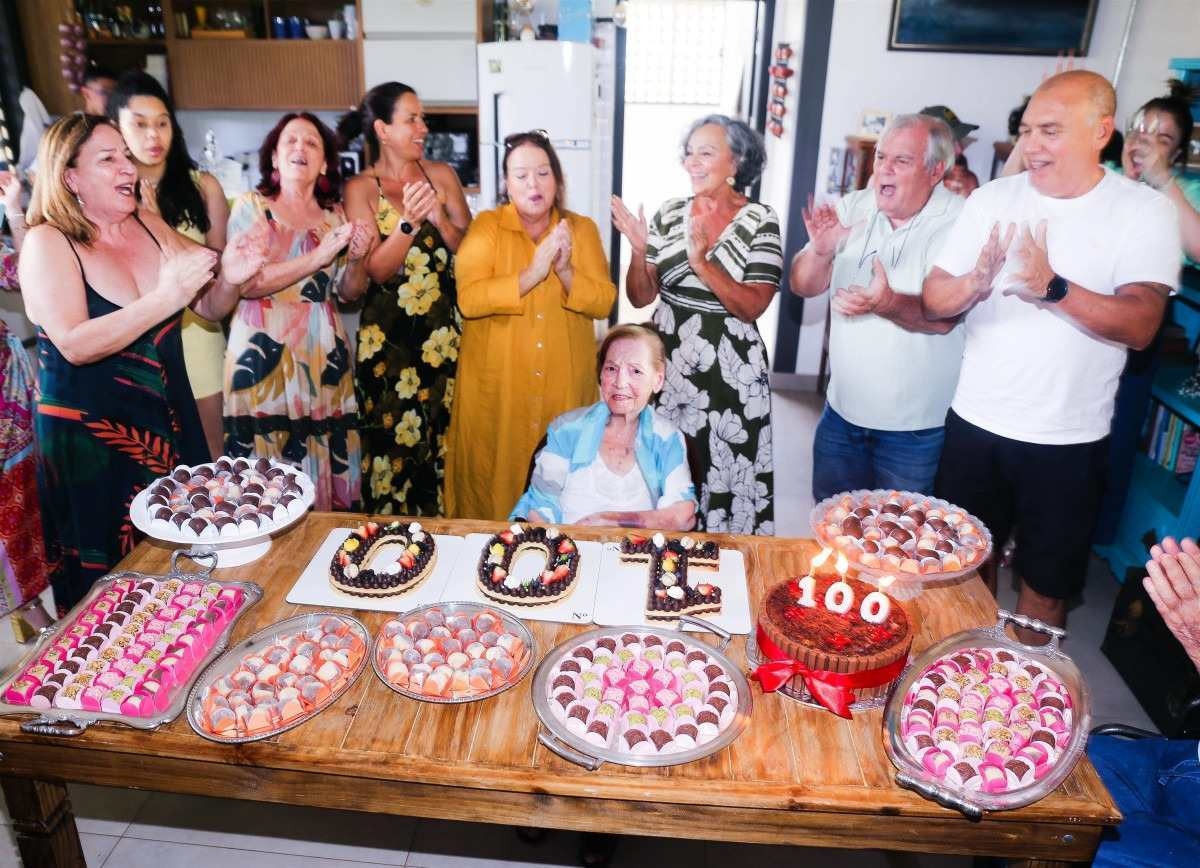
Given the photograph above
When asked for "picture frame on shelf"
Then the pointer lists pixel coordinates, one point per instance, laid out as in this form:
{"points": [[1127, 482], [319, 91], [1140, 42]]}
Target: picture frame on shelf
{"points": [[872, 123], [1049, 27]]}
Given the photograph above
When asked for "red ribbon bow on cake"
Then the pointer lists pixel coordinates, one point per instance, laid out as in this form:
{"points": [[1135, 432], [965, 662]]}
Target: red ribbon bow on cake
{"points": [[831, 689]]}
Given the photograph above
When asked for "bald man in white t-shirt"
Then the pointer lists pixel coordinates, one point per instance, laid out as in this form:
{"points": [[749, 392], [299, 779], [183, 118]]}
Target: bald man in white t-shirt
{"points": [[1057, 271]]}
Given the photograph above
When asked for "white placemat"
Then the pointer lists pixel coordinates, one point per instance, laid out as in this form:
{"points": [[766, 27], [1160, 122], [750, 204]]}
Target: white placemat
{"points": [[576, 608], [313, 588], [621, 597]]}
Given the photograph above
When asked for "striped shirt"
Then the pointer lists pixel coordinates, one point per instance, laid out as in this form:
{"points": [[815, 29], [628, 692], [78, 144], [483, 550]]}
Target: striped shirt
{"points": [[749, 249]]}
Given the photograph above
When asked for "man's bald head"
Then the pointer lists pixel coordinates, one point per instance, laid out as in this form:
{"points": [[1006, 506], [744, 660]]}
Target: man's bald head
{"points": [[1085, 85]]}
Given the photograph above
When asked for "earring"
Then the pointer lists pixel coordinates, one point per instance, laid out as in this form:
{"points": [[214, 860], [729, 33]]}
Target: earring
{"points": [[729, 180], [275, 177], [323, 183]]}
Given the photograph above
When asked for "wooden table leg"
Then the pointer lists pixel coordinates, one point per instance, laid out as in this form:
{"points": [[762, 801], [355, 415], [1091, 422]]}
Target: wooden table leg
{"points": [[43, 822]]}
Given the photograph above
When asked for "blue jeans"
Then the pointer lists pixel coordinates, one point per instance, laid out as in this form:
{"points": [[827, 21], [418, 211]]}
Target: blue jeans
{"points": [[847, 457], [1156, 784]]}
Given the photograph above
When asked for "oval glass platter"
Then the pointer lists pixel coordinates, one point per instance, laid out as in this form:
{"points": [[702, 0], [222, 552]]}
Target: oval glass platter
{"points": [[666, 713], [484, 652], [278, 678]]}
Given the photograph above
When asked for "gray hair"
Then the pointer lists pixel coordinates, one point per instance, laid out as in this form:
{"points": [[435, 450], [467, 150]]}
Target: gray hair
{"points": [[749, 152], [939, 143]]}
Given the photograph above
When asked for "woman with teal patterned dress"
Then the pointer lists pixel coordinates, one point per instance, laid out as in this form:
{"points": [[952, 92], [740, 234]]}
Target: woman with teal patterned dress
{"points": [[408, 336], [105, 286]]}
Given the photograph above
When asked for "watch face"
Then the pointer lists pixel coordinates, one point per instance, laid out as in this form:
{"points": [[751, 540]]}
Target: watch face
{"points": [[1056, 289], [407, 228]]}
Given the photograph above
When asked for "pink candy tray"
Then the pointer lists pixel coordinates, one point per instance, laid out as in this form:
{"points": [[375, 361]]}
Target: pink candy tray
{"points": [[166, 701], [913, 775]]}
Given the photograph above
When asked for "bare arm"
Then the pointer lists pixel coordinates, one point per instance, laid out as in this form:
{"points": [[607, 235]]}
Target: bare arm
{"points": [[944, 296], [53, 290], [452, 218], [386, 260], [641, 278], [810, 273], [354, 277], [280, 275], [1189, 219], [746, 301], [880, 299], [217, 207], [812, 267]]}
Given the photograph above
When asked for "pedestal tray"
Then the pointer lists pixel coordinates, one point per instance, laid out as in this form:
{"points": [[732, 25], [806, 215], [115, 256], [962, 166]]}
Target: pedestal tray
{"points": [[70, 722], [233, 550], [572, 748]]}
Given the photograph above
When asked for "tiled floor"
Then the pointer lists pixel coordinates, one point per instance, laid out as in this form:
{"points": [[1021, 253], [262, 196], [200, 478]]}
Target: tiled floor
{"points": [[128, 829]]}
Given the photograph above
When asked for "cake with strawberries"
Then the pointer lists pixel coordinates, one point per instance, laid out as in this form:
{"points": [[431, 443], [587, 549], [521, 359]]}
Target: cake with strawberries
{"points": [[836, 625], [495, 577], [354, 571]]}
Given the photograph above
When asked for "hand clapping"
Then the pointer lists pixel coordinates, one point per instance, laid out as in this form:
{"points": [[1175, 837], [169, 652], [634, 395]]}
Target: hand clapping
{"points": [[332, 242], [633, 228], [246, 254], [858, 300], [825, 230], [1031, 279], [1173, 583], [421, 203], [183, 272], [991, 260], [362, 239]]}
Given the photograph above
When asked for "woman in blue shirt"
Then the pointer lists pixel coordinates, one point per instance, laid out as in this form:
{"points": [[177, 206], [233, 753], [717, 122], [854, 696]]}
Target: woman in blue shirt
{"points": [[617, 462]]}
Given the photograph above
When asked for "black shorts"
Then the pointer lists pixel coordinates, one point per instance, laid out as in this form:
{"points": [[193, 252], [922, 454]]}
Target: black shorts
{"points": [[1050, 494]]}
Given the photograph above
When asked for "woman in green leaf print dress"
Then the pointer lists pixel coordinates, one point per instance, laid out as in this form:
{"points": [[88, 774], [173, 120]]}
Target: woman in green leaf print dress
{"points": [[714, 263], [289, 393], [408, 336]]}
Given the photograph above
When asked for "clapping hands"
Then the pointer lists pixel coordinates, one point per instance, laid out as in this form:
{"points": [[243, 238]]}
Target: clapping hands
{"points": [[553, 252], [362, 239], [991, 260], [858, 300], [183, 272], [246, 253], [332, 243], [10, 192], [633, 228], [1032, 277], [421, 204], [1173, 583], [825, 230]]}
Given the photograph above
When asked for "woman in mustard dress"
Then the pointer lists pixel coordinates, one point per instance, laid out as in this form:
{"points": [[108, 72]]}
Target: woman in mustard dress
{"points": [[193, 204], [289, 392], [410, 327], [532, 281]]}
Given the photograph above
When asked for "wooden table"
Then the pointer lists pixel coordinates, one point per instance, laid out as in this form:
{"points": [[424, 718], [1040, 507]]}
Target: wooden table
{"points": [[797, 775]]}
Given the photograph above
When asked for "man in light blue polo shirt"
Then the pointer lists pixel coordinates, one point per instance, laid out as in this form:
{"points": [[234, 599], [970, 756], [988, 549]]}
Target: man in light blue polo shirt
{"points": [[893, 372]]}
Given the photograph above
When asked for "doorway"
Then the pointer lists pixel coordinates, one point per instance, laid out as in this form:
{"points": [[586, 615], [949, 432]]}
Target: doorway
{"points": [[683, 59]]}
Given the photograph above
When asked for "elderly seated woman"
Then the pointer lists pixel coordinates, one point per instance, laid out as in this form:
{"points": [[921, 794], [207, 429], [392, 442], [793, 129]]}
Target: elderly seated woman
{"points": [[617, 462]]}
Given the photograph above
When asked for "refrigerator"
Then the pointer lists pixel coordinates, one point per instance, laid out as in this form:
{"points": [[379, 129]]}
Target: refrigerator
{"points": [[563, 88]]}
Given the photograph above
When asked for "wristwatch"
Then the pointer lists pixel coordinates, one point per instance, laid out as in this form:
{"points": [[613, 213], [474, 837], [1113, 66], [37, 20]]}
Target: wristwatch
{"points": [[1056, 290], [407, 228]]}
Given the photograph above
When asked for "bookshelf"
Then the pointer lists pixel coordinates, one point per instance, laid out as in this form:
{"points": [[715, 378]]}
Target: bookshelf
{"points": [[1164, 496]]}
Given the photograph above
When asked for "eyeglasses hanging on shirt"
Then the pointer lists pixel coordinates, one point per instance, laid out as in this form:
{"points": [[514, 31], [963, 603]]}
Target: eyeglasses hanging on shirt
{"points": [[885, 247]]}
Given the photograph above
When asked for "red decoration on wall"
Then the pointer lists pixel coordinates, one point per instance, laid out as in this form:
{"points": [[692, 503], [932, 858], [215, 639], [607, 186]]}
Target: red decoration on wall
{"points": [[780, 73]]}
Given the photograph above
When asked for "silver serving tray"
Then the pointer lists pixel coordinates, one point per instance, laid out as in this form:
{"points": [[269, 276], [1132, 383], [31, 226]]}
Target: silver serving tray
{"points": [[457, 608], [70, 722], [818, 527], [561, 741], [913, 776], [265, 637], [803, 696]]}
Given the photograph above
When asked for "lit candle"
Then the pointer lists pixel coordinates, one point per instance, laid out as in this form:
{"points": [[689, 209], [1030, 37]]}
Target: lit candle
{"points": [[839, 597], [807, 586], [875, 607], [819, 559]]}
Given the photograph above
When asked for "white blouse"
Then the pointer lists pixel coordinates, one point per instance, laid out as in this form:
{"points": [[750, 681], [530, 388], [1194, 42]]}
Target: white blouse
{"points": [[596, 488]]}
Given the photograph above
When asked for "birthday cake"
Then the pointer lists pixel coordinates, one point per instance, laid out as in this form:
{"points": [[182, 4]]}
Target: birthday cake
{"points": [[676, 586], [835, 625], [495, 577]]}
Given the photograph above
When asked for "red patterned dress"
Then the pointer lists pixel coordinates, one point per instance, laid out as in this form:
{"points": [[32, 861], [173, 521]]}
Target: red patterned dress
{"points": [[23, 569]]}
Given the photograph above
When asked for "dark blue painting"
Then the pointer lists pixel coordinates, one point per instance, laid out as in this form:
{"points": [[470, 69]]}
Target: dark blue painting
{"points": [[992, 26]]}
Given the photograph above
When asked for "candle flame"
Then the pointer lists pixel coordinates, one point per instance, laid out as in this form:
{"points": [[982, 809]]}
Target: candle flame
{"points": [[886, 581], [819, 559], [842, 564]]}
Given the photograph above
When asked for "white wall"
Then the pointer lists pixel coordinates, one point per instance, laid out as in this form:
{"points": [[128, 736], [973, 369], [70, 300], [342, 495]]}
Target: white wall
{"points": [[981, 88]]}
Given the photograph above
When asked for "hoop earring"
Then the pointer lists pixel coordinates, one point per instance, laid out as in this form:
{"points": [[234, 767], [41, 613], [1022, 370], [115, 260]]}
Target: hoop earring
{"points": [[730, 180]]}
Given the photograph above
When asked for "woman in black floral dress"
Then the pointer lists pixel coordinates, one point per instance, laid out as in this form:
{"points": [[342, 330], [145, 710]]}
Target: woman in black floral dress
{"points": [[408, 336]]}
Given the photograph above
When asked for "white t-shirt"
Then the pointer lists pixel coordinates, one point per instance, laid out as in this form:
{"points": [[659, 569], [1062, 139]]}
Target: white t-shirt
{"points": [[883, 376], [1029, 372], [595, 488]]}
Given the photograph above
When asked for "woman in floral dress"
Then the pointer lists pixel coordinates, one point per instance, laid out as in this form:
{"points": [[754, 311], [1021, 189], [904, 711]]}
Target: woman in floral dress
{"points": [[408, 336], [715, 261], [289, 393]]}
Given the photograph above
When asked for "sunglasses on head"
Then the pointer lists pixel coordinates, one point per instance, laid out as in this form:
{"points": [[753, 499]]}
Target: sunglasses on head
{"points": [[514, 139]]}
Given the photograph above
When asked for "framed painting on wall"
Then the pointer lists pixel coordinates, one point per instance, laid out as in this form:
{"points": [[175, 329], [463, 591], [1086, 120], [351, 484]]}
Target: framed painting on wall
{"points": [[988, 27]]}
